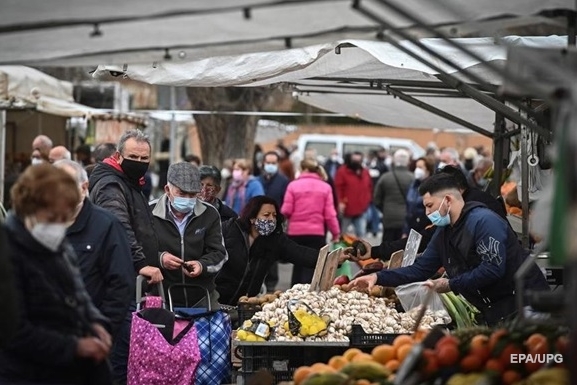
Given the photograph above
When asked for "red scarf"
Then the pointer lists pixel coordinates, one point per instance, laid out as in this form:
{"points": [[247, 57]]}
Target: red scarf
{"points": [[112, 162]]}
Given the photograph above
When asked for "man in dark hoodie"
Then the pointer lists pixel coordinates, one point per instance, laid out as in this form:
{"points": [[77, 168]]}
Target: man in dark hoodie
{"points": [[116, 185], [478, 249]]}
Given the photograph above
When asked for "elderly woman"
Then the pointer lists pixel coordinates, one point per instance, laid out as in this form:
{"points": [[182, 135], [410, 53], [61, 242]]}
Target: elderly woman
{"points": [[254, 241], [61, 337]]}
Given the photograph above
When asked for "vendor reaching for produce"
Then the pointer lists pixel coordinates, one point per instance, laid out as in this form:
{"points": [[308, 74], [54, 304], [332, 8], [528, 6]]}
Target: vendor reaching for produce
{"points": [[477, 248], [254, 241]]}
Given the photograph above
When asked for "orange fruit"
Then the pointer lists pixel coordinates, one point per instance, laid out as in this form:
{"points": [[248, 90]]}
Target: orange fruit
{"points": [[403, 351], [510, 377], [362, 382], [471, 363], [505, 356], [431, 362], [362, 357], [496, 336], [482, 352], [301, 373], [319, 367], [561, 344], [393, 365], [534, 340], [420, 335], [447, 340], [349, 354], [494, 365], [401, 340], [480, 340], [383, 353], [447, 355], [337, 362]]}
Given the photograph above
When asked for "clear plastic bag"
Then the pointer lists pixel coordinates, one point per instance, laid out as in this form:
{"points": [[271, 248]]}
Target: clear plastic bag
{"points": [[413, 294]]}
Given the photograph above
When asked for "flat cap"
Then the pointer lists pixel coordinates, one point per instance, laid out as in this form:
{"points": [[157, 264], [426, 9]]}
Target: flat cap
{"points": [[185, 176]]}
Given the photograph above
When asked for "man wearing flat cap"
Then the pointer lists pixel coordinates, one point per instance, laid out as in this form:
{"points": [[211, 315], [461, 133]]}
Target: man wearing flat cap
{"points": [[191, 248]]}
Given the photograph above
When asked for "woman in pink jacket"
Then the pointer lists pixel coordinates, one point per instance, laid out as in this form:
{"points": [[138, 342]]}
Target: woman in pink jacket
{"points": [[309, 207]]}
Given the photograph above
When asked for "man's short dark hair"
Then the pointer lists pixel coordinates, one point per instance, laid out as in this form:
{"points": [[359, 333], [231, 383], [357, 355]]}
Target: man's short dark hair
{"points": [[193, 158], [271, 153], [210, 172], [103, 151], [438, 182], [457, 174]]}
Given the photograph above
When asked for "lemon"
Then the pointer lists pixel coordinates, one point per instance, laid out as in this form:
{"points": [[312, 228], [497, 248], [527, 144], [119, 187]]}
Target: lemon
{"points": [[241, 335]]}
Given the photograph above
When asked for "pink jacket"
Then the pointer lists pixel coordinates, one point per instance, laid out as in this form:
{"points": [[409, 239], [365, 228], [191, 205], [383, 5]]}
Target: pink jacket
{"points": [[308, 205]]}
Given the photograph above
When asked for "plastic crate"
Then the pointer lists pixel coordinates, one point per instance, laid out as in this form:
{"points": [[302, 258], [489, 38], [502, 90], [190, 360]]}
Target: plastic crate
{"points": [[359, 339], [281, 360], [246, 311]]}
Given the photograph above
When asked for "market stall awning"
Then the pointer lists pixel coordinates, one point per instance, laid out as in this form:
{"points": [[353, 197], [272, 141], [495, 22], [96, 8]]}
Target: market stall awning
{"points": [[88, 32], [347, 76], [22, 86]]}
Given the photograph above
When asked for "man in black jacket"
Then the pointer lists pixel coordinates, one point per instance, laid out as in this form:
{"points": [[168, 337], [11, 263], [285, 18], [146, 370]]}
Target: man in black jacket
{"points": [[190, 237], [103, 252], [477, 248], [116, 185], [210, 181]]}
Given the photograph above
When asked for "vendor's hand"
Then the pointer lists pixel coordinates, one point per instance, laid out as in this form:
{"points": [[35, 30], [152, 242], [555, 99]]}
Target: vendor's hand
{"points": [[440, 285], [170, 261], [93, 348], [350, 251], [363, 282], [194, 269], [152, 273], [102, 334]]}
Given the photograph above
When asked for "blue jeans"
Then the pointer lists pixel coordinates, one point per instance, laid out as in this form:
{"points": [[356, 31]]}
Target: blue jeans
{"points": [[374, 219], [120, 349], [359, 223]]}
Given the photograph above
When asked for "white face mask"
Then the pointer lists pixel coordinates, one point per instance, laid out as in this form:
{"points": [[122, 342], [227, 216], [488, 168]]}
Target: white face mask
{"points": [[49, 235], [225, 173], [36, 161], [419, 173]]}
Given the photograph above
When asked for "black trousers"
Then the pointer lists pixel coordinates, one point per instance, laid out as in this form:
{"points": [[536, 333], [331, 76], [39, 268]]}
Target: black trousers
{"points": [[305, 274]]}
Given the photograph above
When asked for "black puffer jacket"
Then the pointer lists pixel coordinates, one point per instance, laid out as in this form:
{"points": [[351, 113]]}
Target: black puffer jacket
{"points": [[55, 311], [113, 191], [247, 267]]}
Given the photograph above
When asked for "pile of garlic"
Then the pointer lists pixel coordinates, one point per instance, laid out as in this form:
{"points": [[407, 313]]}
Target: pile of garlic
{"points": [[375, 315]]}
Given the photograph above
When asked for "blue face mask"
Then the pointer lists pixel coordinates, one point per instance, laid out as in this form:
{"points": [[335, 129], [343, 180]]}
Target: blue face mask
{"points": [[440, 220], [270, 168], [184, 205]]}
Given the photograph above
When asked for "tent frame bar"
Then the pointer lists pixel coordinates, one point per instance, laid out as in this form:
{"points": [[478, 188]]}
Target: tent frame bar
{"points": [[437, 111], [451, 80]]}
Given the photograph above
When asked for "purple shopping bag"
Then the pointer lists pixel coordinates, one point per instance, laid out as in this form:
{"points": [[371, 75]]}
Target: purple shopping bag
{"points": [[155, 357]]}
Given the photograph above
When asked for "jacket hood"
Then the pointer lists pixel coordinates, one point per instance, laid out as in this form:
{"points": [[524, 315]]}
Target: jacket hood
{"points": [[309, 175], [160, 207], [102, 170], [469, 206]]}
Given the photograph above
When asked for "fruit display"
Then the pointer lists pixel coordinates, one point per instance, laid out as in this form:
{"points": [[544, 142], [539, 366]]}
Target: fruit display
{"points": [[341, 309], [501, 356], [357, 367]]}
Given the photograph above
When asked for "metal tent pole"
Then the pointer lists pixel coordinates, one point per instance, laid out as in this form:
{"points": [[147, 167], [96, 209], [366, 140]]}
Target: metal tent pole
{"points": [[456, 83], [173, 126], [439, 112], [2, 153], [525, 189], [498, 154]]}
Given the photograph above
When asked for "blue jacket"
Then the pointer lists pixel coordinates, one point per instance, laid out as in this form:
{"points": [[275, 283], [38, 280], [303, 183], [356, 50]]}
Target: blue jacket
{"points": [[104, 256], [274, 186], [253, 189], [416, 217], [480, 254]]}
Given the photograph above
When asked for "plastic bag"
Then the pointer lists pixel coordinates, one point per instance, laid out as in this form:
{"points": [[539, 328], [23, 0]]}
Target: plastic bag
{"points": [[413, 294], [304, 322]]}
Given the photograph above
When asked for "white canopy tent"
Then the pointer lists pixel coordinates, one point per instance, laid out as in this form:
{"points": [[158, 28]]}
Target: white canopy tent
{"points": [[320, 76], [87, 32]]}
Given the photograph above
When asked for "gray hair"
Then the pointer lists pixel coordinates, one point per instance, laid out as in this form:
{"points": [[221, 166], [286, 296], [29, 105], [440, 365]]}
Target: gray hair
{"points": [[401, 158], [452, 152], [81, 175], [137, 135]]}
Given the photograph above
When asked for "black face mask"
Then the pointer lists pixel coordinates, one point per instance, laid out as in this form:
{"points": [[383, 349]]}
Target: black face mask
{"points": [[134, 169]]}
